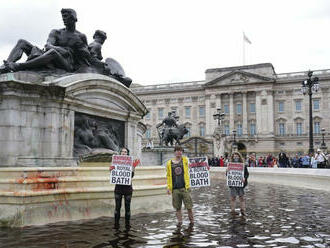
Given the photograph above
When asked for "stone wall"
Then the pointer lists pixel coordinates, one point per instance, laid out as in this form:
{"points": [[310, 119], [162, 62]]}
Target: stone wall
{"points": [[37, 115], [156, 156]]}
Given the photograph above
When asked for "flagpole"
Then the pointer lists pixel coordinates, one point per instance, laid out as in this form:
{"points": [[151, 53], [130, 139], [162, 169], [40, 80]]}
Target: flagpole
{"points": [[243, 49]]}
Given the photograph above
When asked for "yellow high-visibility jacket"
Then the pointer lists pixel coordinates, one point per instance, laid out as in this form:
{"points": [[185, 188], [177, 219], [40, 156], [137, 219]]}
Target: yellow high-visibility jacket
{"points": [[185, 174]]}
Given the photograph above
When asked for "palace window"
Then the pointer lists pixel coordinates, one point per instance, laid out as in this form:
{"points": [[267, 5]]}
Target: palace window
{"points": [[280, 107], [281, 127], [202, 130], [298, 105], [226, 108], [317, 129], [187, 99], [252, 129], [252, 107], [316, 104], [201, 111], [239, 130], [187, 112], [239, 108], [299, 128], [227, 131]]}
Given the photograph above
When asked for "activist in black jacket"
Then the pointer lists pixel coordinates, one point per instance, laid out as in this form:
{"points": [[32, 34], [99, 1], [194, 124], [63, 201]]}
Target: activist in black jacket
{"points": [[238, 191], [125, 191], [246, 175]]}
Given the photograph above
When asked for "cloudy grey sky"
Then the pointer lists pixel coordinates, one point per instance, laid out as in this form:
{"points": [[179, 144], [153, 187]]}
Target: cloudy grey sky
{"points": [[162, 41]]}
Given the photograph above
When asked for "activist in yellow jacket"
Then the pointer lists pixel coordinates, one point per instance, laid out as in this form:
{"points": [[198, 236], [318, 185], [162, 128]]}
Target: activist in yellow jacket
{"points": [[185, 173]]}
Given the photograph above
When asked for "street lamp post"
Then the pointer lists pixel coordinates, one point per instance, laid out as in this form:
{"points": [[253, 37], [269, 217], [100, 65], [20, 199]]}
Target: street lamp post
{"points": [[308, 86], [234, 145], [218, 133], [323, 145], [234, 134]]}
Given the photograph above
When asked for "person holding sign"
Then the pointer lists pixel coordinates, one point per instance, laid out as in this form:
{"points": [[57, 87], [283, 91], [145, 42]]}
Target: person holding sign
{"points": [[178, 184], [199, 172], [123, 180], [237, 175]]}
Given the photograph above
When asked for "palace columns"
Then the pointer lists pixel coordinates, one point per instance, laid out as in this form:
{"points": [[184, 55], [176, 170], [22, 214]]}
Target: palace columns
{"points": [[231, 112], [245, 123]]}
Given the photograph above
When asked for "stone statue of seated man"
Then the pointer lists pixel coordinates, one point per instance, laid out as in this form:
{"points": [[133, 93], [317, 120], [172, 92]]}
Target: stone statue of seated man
{"points": [[65, 49]]}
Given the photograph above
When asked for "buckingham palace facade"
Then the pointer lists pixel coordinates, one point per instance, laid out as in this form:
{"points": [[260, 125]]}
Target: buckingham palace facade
{"points": [[268, 110]]}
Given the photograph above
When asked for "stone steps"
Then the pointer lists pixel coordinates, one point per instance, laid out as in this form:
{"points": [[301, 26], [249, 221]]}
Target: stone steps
{"points": [[17, 180], [68, 182], [33, 196], [23, 172]]}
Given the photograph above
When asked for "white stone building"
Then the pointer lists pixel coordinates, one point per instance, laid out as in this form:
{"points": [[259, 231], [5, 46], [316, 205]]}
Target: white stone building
{"points": [[268, 110]]}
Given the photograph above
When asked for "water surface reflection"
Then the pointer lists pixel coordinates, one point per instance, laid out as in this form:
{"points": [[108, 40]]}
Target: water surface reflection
{"points": [[278, 216]]}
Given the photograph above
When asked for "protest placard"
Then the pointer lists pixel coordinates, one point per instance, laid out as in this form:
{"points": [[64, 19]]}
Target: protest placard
{"points": [[199, 172], [122, 173], [235, 174]]}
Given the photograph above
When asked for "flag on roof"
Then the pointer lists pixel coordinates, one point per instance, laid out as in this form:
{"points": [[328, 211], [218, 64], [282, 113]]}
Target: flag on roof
{"points": [[246, 39]]}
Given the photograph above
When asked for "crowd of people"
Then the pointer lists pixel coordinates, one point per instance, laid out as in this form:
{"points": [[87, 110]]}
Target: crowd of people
{"points": [[316, 160]]}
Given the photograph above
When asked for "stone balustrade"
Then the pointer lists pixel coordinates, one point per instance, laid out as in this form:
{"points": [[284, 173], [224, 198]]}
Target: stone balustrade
{"points": [[317, 179]]}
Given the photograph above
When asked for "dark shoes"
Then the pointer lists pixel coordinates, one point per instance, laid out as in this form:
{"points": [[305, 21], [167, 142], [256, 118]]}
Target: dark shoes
{"points": [[117, 218], [127, 222]]}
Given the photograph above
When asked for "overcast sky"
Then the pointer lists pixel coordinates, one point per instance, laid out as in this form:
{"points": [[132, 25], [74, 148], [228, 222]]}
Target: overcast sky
{"points": [[164, 41]]}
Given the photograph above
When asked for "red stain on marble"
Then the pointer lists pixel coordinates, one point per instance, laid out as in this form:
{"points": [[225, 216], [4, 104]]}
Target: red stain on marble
{"points": [[39, 181]]}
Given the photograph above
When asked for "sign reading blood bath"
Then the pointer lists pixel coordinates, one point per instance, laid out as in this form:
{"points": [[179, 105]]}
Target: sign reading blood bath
{"points": [[199, 172], [122, 173], [235, 174]]}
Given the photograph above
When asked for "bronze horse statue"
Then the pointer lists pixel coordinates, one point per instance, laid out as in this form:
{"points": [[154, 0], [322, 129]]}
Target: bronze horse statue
{"points": [[169, 135]]}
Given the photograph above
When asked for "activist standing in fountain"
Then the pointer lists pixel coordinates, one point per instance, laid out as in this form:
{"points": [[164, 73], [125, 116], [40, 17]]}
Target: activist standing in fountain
{"points": [[178, 184], [125, 191], [238, 191]]}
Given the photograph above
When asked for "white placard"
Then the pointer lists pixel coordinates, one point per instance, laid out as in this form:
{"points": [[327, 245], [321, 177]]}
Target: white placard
{"points": [[122, 173], [199, 172], [235, 174]]}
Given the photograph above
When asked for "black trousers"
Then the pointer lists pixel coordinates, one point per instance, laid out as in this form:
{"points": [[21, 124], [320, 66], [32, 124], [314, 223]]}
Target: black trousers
{"points": [[118, 199]]}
